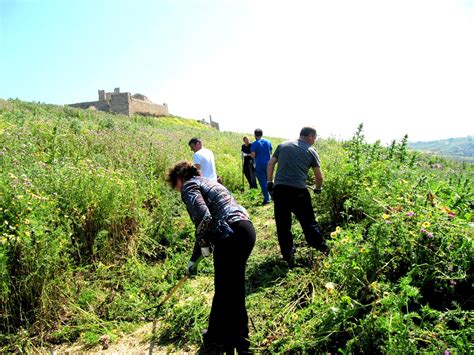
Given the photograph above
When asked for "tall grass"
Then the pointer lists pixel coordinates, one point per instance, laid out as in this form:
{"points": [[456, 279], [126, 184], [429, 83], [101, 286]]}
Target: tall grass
{"points": [[91, 238]]}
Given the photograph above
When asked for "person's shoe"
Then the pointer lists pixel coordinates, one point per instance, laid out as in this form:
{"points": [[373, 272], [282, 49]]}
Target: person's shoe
{"points": [[290, 259], [265, 203], [291, 262], [228, 350], [323, 248]]}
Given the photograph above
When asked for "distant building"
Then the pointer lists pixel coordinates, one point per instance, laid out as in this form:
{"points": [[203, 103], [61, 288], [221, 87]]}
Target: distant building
{"points": [[212, 123], [124, 103]]}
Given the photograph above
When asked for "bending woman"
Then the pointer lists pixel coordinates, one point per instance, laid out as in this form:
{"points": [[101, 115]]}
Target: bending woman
{"points": [[223, 226]]}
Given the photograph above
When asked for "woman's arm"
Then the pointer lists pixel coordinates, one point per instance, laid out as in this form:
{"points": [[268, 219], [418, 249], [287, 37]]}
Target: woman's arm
{"points": [[199, 213]]}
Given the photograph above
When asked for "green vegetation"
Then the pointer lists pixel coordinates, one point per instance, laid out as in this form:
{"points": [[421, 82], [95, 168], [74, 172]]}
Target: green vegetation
{"points": [[455, 148], [91, 238]]}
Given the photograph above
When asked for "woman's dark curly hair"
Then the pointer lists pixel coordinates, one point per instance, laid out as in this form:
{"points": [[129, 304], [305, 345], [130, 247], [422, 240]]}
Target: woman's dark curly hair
{"points": [[184, 169]]}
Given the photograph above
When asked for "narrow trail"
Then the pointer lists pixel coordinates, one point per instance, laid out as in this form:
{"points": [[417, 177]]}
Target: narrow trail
{"points": [[141, 341]]}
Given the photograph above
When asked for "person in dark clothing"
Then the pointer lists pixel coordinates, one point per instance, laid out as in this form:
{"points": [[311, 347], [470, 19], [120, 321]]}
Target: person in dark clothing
{"points": [[224, 227], [248, 164], [290, 192]]}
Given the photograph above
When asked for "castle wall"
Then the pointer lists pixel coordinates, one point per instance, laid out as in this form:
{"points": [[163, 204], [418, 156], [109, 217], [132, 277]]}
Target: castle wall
{"points": [[99, 105], [215, 125], [147, 108], [120, 103]]}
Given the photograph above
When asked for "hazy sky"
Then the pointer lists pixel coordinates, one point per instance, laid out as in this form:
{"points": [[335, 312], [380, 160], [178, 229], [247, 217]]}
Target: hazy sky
{"points": [[400, 67]]}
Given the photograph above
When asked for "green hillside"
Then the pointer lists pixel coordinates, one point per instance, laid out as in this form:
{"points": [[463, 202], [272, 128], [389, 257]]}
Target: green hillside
{"points": [[457, 148], [92, 238]]}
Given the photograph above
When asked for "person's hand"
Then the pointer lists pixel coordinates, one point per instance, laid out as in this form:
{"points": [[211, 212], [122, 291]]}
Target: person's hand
{"points": [[191, 268], [270, 187]]}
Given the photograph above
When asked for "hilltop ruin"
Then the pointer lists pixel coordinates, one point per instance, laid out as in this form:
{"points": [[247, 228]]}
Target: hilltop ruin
{"points": [[127, 104], [124, 103]]}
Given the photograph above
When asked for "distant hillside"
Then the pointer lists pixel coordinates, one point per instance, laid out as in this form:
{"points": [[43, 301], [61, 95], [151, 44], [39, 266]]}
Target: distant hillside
{"points": [[458, 148]]}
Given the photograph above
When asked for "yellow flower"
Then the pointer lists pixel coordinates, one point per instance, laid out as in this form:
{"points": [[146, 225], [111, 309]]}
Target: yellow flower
{"points": [[385, 216], [27, 221], [447, 210], [426, 224], [336, 232]]}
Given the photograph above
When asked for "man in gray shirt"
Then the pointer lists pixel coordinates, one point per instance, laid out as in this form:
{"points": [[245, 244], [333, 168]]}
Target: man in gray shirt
{"points": [[290, 194]]}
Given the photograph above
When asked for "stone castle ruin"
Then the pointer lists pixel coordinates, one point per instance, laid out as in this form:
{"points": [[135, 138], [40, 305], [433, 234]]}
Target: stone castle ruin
{"points": [[127, 104], [124, 103]]}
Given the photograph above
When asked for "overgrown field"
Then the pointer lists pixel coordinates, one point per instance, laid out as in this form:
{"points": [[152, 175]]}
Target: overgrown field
{"points": [[91, 238]]}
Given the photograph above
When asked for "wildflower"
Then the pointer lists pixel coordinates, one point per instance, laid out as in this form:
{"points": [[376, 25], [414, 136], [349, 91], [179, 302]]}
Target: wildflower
{"points": [[329, 286], [336, 232], [426, 224], [27, 221], [388, 222], [423, 230], [429, 235], [446, 352], [452, 283], [447, 209], [385, 216], [410, 213]]}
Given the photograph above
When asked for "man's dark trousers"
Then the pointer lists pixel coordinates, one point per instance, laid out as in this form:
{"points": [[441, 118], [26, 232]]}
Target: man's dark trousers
{"points": [[288, 200], [249, 172]]}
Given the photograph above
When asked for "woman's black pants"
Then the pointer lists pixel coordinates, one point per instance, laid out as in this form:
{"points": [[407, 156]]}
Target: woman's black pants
{"points": [[228, 321]]}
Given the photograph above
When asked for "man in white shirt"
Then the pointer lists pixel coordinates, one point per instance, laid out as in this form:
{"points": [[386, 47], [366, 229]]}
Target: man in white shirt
{"points": [[203, 158]]}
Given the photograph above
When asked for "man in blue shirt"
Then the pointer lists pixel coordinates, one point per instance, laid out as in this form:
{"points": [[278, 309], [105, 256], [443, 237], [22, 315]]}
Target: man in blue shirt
{"points": [[261, 151]]}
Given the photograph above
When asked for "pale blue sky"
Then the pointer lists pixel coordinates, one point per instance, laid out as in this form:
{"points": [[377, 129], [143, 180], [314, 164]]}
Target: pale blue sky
{"points": [[400, 67]]}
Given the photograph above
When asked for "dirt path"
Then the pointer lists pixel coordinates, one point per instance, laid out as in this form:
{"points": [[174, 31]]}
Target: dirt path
{"points": [[140, 341], [137, 342]]}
